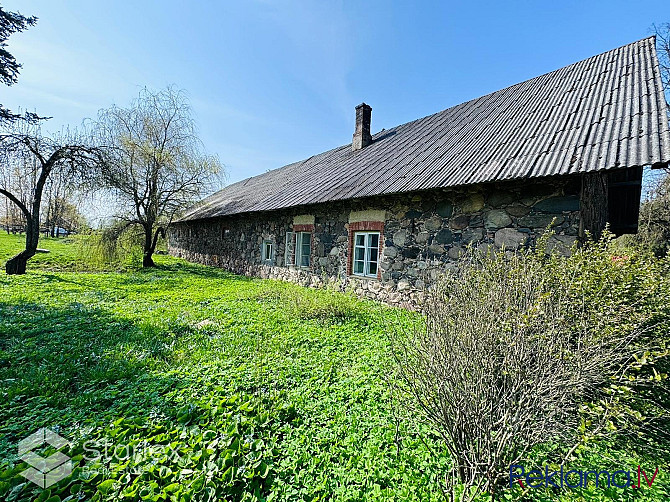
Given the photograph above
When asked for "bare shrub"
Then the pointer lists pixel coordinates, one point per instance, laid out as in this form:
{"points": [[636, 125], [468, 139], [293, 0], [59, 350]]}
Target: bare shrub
{"points": [[512, 347]]}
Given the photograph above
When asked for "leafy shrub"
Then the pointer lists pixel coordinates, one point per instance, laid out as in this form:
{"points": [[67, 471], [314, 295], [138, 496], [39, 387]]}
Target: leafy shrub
{"points": [[112, 248], [525, 350]]}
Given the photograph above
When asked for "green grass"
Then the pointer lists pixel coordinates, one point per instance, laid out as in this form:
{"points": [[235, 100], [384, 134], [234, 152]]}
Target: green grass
{"points": [[63, 252], [301, 371], [221, 387]]}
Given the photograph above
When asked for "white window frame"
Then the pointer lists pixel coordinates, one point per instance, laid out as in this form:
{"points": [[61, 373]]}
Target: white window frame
{"points": [[299, 236], [267, 250], [367, 254]]}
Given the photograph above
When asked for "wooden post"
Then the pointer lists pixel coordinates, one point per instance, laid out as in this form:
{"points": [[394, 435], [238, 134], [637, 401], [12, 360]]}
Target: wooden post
{"points": [[593, 209]]}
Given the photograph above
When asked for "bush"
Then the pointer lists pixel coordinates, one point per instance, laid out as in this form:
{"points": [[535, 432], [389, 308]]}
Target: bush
{"points": [[523, 350], [306, 303], [112, 248]]}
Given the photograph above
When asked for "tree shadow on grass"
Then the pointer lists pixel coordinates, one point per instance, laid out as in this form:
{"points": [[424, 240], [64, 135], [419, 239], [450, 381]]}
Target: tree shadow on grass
{"points": [[74, 365], [114, 388]]}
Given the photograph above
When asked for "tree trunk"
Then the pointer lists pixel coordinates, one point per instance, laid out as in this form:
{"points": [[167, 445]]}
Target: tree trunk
{"points": [[147, 260], [17, 264], [593, 205]]}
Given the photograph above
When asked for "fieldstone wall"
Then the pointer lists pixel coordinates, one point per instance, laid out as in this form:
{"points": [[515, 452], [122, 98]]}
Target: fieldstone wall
{"points": [[423, 234]]}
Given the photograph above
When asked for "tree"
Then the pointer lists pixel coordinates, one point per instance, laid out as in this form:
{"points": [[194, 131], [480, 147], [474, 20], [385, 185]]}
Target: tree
{"points": [[61, 211], [155, 164], [29, 159], [10, 23], [662, 33], [654, 227]]}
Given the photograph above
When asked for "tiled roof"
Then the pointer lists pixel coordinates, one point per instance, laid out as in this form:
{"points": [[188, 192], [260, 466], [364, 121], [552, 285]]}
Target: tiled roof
{"points": [[604, 112]]}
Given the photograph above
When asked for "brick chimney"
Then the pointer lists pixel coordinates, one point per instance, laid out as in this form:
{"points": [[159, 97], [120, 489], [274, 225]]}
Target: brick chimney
{"points": [[362, 136]]}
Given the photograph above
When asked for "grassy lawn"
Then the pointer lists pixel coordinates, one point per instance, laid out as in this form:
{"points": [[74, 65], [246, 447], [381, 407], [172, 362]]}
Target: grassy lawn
{"points": [[290, 379], [190, 383]]}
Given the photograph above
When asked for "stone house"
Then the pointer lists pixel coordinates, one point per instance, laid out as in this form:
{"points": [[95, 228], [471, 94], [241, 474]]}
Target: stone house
{"points": [[389, 212]]}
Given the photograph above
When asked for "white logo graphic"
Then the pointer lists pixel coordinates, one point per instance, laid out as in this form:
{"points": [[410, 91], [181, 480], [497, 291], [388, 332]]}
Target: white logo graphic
{"points": [[44, 471]]}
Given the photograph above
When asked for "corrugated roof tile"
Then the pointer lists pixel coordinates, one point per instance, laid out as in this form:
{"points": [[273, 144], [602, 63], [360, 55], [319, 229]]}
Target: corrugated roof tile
{"points": [[604, 112]]}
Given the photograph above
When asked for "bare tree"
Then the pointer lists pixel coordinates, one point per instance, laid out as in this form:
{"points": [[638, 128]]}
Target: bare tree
{"points": [[28, 160], [60, 198], [662, 32], [155, 163], [654, 228]]}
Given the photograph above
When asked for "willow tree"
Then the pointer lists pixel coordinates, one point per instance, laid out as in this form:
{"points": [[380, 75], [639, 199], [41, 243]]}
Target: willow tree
{"points": [[155, 164]]}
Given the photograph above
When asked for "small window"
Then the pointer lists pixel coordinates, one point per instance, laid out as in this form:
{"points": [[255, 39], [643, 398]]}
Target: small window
{"points": [[267, 250], [303, 249], [366, 254]]}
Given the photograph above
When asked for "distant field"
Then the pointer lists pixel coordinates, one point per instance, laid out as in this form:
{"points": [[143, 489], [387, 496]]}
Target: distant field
{"points": [[204, 385]]}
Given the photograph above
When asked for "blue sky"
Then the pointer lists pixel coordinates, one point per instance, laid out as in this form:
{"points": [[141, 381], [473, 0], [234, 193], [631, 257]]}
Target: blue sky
{"points": [[275, 82]]}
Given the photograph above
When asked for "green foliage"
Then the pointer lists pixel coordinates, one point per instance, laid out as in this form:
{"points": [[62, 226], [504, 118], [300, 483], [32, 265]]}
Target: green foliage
{"points": [[265, 390], [619, 290], [115, 247], [297, 401]]}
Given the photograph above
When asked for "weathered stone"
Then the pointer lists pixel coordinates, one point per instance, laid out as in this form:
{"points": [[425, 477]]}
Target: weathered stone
{"points": [[497, 219], [436, 248], [558, 204], [374, 287], [444, 236], [472, 235], [473, 203], [424, 254], [390, 251], [539, 220], [517, 210], [399, 238], [411, 252], [476, 221], [460, 222], [500, 198], [510, 238], [455, 252], [403, 285], [433, 223], [561, 244], [419, 284], [445, 209], [422, 237]]}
